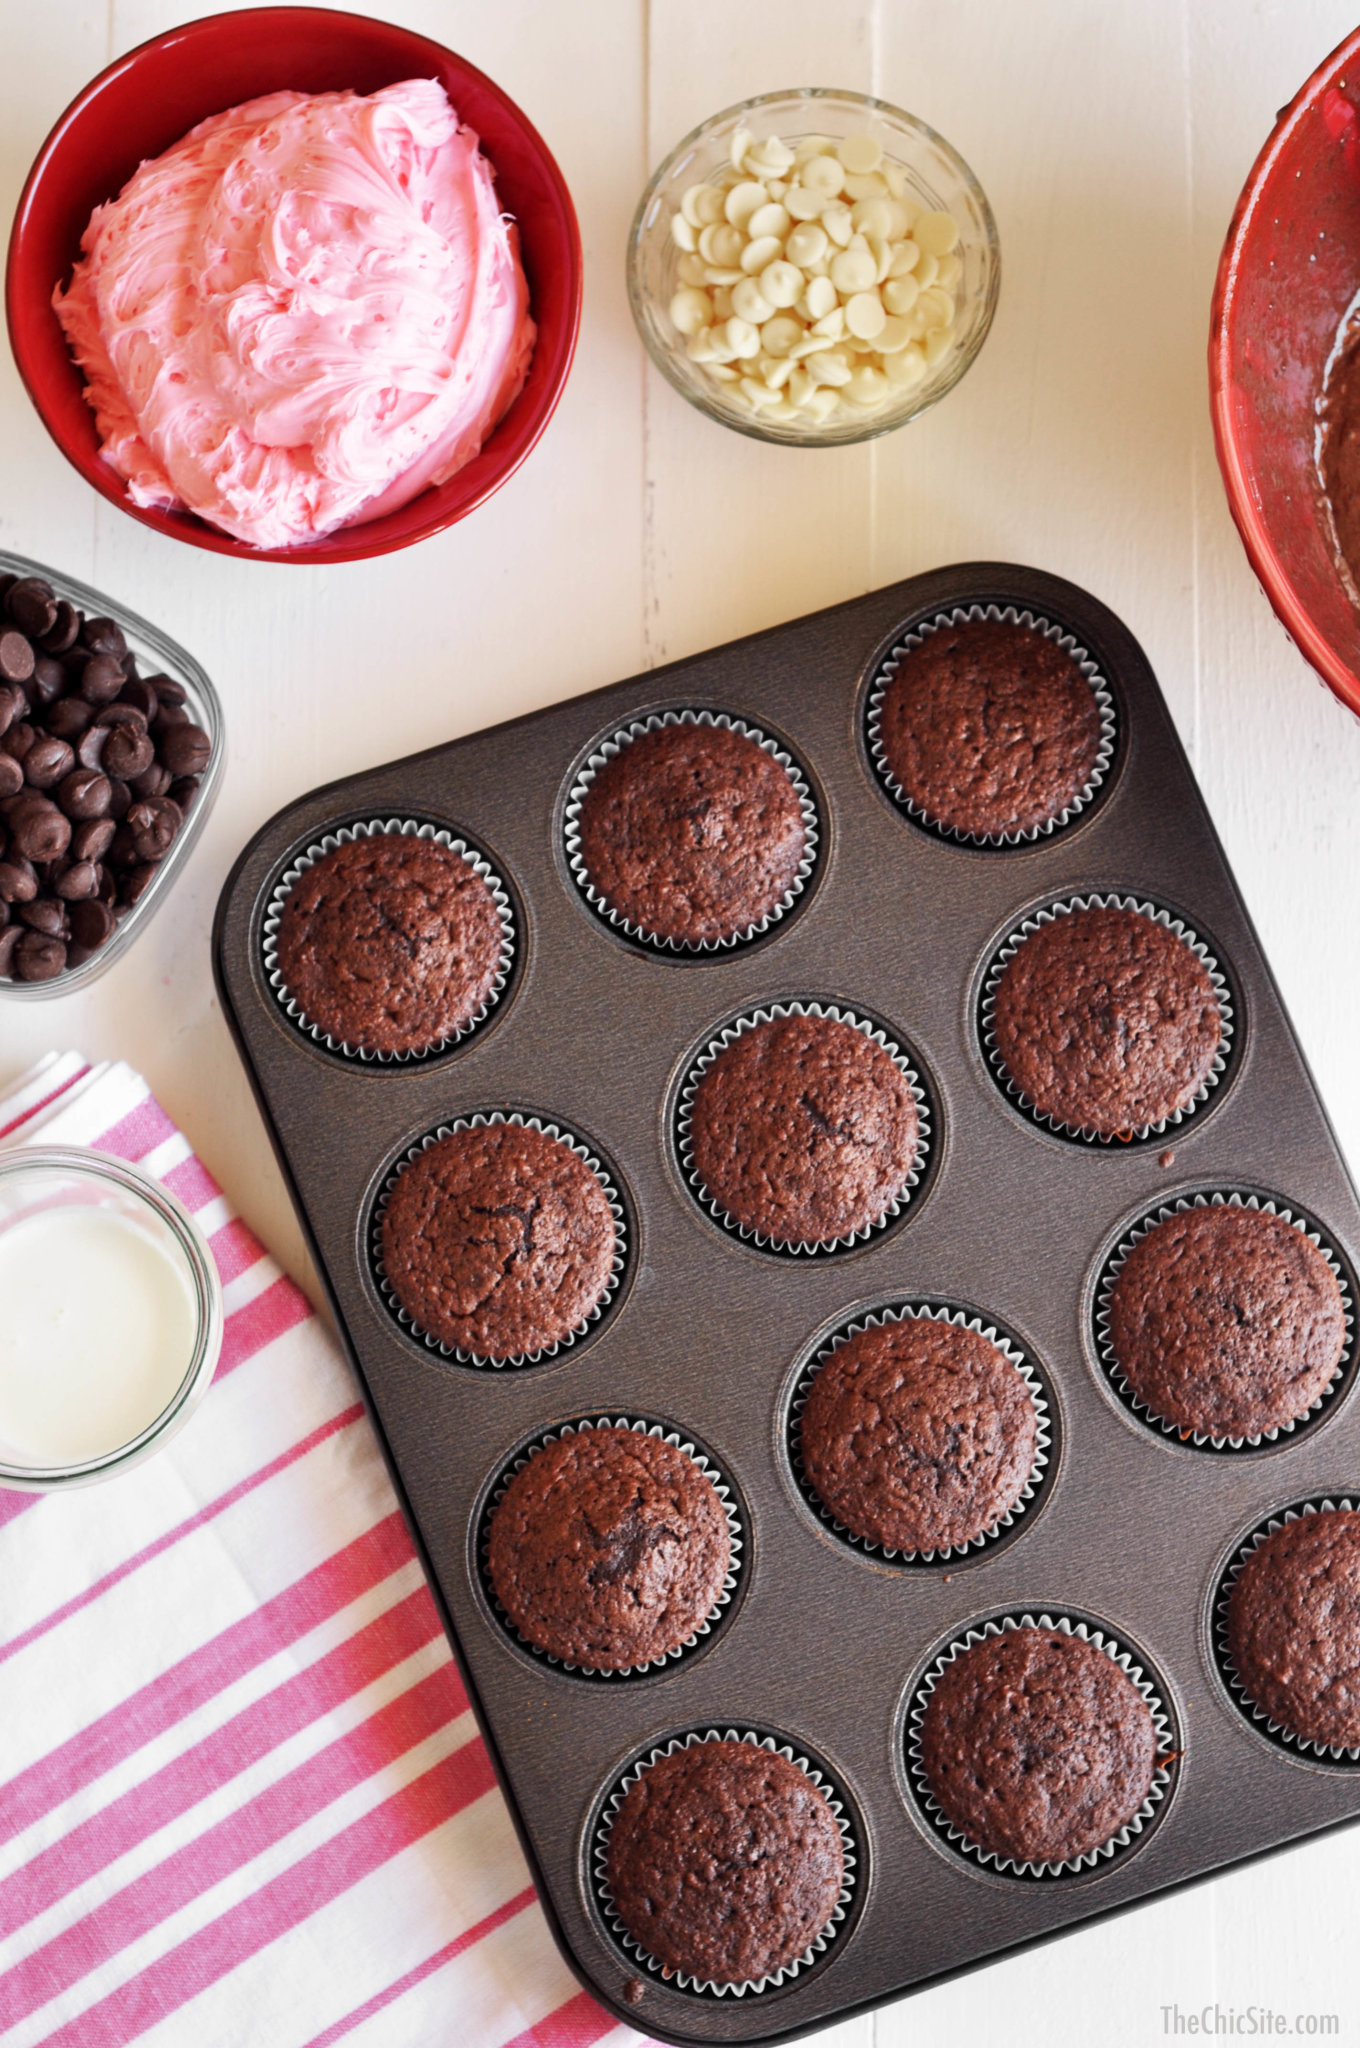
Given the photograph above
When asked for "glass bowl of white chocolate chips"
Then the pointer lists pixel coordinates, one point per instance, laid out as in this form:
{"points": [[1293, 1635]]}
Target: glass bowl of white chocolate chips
{"points": [[813, 267]]}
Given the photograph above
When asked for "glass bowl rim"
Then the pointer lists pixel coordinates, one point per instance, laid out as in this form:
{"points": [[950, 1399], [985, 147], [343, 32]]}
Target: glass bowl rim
{"points": [[877, 424], [105, 1169]]}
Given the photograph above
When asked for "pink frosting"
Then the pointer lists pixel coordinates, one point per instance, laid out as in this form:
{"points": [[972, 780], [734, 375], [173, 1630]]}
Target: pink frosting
{"points": [[302, 314]]}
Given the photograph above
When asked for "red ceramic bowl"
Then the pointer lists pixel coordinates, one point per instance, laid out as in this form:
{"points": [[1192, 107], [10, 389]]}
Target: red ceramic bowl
{"points": [[149, 99], [1290, 268]]}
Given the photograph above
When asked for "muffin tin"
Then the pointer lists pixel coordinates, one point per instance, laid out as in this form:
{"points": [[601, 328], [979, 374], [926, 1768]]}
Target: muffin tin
{"points": [[825, 1644]]}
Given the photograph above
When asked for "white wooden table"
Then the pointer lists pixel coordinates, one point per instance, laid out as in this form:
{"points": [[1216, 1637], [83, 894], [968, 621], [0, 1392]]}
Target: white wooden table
{"points": [[1112, 137]]}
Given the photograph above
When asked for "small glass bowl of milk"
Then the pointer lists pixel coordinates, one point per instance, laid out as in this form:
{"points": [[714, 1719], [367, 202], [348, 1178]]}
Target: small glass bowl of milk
{"points": [[110, 1317]]}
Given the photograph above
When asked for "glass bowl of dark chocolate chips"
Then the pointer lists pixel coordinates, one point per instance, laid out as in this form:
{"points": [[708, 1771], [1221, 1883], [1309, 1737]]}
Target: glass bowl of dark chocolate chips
{"points": [[110, 756]]}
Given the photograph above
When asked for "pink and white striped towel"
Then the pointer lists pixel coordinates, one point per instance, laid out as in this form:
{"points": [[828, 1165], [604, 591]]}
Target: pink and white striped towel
{"points": [[242, 1798]]}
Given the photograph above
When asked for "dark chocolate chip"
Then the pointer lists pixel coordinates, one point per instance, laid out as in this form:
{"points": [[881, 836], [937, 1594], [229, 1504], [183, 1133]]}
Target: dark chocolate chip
{"points": [[141, 696], [64, 634], [32, 604], [47, 682], [69, 717], [119, 713], [13, 705], [92, 839], [4, 913], [127, 751], [45, 914], [91, 922], [38, 957], [85, 793], [108, 884], [40, 831], [101, 679], [168, 690], [47, 761], [153, 823], [135, 882], [90, 745], [104, 636], [153, 781], [122, 851], [8, 941], [18, 883], [11, 776], [18, 739], [184, 791], [17, 659], [79, 879], [120, 796], [185, 750]]}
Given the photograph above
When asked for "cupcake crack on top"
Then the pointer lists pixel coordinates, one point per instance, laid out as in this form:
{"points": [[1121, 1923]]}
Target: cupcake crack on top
{"points": [[804, 1130]]}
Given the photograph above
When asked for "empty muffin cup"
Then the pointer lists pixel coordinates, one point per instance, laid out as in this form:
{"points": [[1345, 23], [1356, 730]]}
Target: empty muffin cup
{"points": [[703, 1632], [837, 1801], [527, 1355], [1138, 1405], [1214, 1066], [1124, 1838], [419, 1015], [1065, 763], [1343, 1755], [923, 1312], [745, 862], [906, 1177]]}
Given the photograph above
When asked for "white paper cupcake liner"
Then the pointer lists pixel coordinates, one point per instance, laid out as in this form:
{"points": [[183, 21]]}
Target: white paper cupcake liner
{"points": [[599, 1863], [1215, 1198], [1009, 1866], [1283, 1738], [615, 744], [987, 1018], [402, 1316], [736, 1537], [904, 1311], [372, 828], [821, 1248], [1000, 615]]}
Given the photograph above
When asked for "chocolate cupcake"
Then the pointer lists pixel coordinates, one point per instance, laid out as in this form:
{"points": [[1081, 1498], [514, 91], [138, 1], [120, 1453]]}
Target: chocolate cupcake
{"points": [[1104, 1019], [1226, 1321], [690, 831], [1292, 1631], [918, 1434], [725, 1862], [499, 1239], [1036, 1747], [610, 1548], [801, 1129], [991, 725], [388, 941]]}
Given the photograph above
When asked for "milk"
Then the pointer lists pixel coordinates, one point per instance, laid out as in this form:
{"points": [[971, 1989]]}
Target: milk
{"points": [[97, 1331]]}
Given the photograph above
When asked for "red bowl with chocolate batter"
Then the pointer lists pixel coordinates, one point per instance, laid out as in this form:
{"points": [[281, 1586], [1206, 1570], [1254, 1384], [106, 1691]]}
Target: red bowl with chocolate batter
{"points": [[1289, 270], [148, 99]]}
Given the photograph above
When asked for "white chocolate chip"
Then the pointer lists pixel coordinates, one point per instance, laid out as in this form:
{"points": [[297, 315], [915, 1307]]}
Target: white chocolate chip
{"points": [[723, 372], [741, 141], [683, 235], [801, 203], [937, 345], [777, 373], [813, 145], [864, 315], [893, 335], [692, 270], [854, 270], [828, 368], [867, 386], [714, 275], [860, 153], [773, 156], [742, 201], [935, 308], [820, 405], [782, 283], [900, 294], [824, 174], [872, 217], [881, 252], [837, 221], [750, 303], [722, 305], [905, 368], [806, 243], [950, 273], [831, 327], [690, 310], [906, 256], [756, 255], [770, 219], [721, 245], [819, 297], [742, 337], [927, 270], [780, 335], [937, 233], [894, 177], [699, 347]]}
